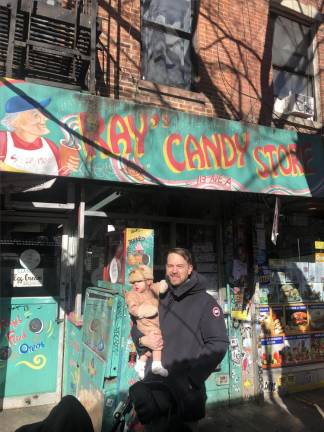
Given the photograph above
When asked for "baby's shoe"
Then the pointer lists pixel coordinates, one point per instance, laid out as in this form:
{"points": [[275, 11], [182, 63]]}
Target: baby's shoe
{"points": [[158, 369]]}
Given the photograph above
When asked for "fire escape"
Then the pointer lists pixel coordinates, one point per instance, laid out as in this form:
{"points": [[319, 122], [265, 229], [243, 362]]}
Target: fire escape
{"points": [[50, 41]]}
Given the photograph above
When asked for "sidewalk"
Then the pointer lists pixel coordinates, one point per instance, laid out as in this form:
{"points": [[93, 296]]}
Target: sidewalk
{"points": [[301, 412], [12, 419]]}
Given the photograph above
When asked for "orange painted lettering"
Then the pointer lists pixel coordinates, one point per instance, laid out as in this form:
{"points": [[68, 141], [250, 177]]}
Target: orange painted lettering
{"points": [[118, 135], [139, 134], [241, 150], [297, 168], [229, 151], [264, 171], [284, 158], [168, 150], [193, 153], [268, 151], [213, 149]]}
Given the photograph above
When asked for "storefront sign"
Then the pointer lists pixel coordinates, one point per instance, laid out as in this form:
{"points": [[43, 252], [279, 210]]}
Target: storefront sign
{"points": [[29, 259], [319, 257], [27, 278], [138, 248], [78, 135], [319, 245]]}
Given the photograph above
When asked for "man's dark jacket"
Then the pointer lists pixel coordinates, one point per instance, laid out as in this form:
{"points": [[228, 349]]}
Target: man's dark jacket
{"points": [[193, 330]]}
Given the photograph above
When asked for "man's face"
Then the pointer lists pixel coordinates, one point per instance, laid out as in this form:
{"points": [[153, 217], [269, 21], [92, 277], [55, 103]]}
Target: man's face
{"points": [[177, 269], [30, 122]]}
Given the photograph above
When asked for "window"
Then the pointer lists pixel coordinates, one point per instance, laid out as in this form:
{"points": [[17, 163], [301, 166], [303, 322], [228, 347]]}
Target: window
{"points": [[167, 41], [43, 41], [292, 60]]}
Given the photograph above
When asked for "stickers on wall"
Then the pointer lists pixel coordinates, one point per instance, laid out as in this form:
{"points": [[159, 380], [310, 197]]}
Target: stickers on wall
{"points": [[29, 259], [22, 278], [113, 271]]}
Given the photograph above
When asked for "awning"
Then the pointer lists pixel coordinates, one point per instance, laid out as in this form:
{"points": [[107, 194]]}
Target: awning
{"points": [[52, 131]]}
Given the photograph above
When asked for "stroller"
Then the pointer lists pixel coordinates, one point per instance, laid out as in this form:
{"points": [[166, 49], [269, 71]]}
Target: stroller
{"points": [[154, 402], [69, 415], [146, 401], [120, 415]]}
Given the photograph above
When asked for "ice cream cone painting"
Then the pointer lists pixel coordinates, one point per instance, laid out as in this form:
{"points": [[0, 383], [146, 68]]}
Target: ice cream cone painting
{"points": [[138, 247]]}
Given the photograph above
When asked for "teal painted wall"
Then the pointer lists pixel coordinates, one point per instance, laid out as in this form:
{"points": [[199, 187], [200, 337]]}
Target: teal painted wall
{"points": [[72, 349], [29, 338]]}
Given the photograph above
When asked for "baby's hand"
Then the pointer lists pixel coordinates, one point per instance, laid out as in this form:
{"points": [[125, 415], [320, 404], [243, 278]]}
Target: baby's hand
{"points": [[147, 311], [163, 286]]}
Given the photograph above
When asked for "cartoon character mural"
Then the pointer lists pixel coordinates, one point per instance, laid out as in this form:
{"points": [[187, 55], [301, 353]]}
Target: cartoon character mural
{"points": [[24, 148]]}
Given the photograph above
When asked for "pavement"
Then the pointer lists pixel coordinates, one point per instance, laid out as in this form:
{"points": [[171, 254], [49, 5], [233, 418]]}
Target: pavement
{"points": [[299, 412]]}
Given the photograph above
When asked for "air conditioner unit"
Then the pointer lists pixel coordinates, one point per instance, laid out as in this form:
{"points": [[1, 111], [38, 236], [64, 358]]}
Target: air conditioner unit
{"points": [[300, 105]]}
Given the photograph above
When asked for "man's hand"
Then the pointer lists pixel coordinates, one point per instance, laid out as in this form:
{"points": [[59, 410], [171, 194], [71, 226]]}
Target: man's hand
{"points": [[153, 341]]}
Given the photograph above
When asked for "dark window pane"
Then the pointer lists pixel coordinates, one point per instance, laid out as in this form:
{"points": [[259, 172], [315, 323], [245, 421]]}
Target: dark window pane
{"points": [[290, 35], [171, 13], [285, 82], [293, 61], [166, 56], [291, 45]]}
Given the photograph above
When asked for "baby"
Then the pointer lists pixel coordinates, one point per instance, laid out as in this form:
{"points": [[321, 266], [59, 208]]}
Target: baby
{"points": [[142, 303]]}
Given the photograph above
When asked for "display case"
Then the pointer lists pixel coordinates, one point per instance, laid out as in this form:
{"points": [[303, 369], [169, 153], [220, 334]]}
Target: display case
{"points": [[290, 308], [291, 314]]}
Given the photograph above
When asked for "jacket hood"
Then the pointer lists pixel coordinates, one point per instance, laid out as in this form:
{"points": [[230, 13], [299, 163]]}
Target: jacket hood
{"points": [[191, 286]]}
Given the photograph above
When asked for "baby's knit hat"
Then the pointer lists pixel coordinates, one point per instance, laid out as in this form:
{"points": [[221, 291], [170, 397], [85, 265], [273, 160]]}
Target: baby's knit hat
{"points": [[136, 275], [147, 271]]}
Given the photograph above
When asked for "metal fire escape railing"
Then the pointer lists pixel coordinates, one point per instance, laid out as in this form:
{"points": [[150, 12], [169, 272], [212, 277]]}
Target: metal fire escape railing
{"points": [[48, 41]]}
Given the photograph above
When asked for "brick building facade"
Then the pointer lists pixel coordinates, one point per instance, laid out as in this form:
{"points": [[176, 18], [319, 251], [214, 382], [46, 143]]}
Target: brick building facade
{"points": [[232, 55]]}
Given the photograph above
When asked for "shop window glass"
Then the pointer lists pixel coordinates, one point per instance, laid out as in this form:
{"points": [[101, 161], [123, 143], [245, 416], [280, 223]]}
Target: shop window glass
{"points": [[30, 260], [166, 41], [292, 58], [290, 292], [201, 240]]}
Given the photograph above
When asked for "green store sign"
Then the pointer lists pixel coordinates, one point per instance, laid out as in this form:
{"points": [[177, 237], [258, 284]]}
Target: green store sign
{"points": [[52, 131]]}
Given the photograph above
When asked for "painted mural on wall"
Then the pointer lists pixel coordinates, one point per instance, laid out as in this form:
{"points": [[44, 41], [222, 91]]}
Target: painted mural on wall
{"points": [[53, 131], [28, 341]]}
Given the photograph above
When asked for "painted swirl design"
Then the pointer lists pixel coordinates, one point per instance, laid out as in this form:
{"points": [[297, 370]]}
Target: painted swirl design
{"points": [[39, 361]]}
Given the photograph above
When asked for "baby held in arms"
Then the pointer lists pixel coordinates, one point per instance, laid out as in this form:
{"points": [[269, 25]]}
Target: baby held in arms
{"points": [[142, 303]]}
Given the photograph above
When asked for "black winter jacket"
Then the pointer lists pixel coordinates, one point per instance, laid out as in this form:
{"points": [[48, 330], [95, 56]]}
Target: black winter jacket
{"points": [[193, 331], [69, 415]]}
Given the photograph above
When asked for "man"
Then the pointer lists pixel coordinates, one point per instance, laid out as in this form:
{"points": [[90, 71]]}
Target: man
{"points": [[193, 332], [23, 147]]}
